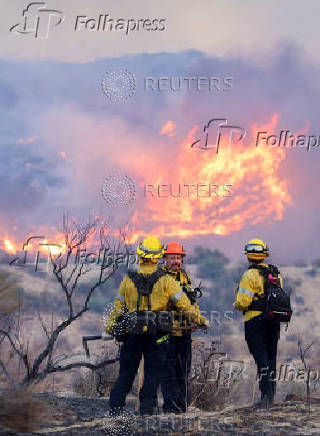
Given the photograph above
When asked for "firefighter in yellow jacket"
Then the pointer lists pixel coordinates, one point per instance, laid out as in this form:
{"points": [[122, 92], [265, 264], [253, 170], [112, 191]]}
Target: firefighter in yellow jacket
{"points": [[175, 384], [261, 335], [141, 308]]}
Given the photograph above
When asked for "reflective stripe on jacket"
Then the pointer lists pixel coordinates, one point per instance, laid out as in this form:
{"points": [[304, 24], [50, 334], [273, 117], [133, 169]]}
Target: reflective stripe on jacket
{"points": [[184, 280], [166, 289]]}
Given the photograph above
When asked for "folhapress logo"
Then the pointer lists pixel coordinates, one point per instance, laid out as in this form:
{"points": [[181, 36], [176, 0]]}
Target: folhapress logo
{"points": [[218, 127], [38, 20]]}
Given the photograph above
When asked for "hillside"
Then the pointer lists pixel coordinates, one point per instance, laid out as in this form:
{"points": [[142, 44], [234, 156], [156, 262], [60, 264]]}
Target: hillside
{"points": [[74, 413], [41, 291], [84, 416]]}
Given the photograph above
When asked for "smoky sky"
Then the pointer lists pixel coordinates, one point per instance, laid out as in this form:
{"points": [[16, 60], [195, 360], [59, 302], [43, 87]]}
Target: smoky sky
{"points": [[57, 104]]}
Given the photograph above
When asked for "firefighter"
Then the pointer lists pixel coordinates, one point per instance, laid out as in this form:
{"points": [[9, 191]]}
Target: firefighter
{"points": [[261, 334], [174, 385], [144, 297]]}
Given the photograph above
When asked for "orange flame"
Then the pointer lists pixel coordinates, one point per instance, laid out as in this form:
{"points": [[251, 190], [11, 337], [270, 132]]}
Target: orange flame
{"points": [[259, 195], [169, 129], [9, 246]]}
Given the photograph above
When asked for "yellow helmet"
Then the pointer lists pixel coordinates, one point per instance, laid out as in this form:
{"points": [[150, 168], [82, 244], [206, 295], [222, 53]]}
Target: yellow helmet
{"points": [[256, 249], [150, 248]]}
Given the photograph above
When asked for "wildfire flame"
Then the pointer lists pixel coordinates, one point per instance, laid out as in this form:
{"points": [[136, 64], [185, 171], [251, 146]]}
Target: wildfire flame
{"points": [[259, 191], [169, 129], [43, 245], [9, 246], [259, 195]]}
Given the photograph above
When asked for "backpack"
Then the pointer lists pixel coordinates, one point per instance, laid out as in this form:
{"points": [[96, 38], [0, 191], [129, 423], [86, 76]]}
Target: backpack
{"points": [[275, 303], [147, 321]]}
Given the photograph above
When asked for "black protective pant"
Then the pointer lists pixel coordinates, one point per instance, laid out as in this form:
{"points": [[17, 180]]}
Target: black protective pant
{"points": [[155, 361], [175, 384], [262, 338]]}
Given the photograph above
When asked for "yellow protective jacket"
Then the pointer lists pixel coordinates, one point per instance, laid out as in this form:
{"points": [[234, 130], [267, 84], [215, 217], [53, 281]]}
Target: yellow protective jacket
{"points": [[166, 289], [251, 286], [183, 280]]}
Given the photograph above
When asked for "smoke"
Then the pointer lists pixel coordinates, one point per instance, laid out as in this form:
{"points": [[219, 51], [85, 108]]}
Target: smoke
{"points": [[97, 137]]}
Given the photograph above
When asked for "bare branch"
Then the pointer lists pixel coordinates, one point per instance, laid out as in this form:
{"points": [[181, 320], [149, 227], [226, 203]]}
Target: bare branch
{"points": [[42, 323], [303, 360], [74, 365], [7, 335], [76, 236], [7, 374]]}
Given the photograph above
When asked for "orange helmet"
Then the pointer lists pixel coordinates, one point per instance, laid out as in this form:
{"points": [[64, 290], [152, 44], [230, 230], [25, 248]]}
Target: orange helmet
{"points": [[174, 248]]}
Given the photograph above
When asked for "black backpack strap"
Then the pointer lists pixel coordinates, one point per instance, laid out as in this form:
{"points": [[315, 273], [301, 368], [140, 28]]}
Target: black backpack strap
{"points": [[189, 293], [154, 277], [261, 300], [264, 271], [170, 273], [139, 284], [144, 284], [187, 277], [273, 270]]}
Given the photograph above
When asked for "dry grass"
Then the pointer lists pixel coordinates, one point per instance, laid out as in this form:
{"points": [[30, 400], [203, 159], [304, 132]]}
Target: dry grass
{"points": [[20, 410], [213, 381], [9, 293], [98, 383]]}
